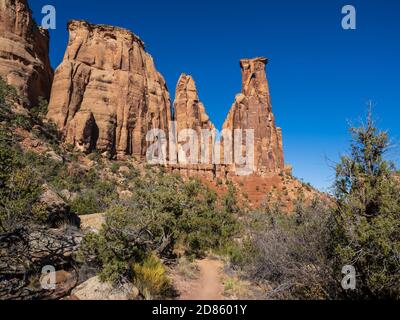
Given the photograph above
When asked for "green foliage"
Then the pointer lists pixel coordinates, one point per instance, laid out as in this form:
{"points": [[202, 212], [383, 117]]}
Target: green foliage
{"points": [[187, 211], [19, 198], [119, 244], [40, 111], [7, 94], [238, 253], [96, 198], [164, 211], [6, 156], [49, 169], [19, 183], [302, 255], [45, 130], [230, 199], [115, 167], [367, 218], [87, 203]]}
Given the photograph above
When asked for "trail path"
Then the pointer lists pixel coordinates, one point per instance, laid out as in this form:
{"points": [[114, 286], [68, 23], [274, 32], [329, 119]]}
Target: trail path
{"points": [[209, 284]]}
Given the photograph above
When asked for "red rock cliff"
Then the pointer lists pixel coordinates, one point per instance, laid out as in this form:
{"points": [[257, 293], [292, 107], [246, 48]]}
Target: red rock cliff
{"points": [[107, 93], [24, 47]]}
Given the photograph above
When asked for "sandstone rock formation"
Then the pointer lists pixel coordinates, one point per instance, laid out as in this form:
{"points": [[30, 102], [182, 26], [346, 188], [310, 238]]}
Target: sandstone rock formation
{"points": [[107, 93], [189, 113], [24, 47], [252, 110]]}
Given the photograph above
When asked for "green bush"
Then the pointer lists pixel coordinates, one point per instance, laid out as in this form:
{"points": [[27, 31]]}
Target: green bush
{"points": [[87, 203], [115, 167], [367, 218], [302, 255], [119, 244], [163, 212], [20, 184], [40, 111]]}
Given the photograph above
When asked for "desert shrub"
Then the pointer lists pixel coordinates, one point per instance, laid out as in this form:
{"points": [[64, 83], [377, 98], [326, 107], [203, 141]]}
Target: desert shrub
{"points": [[97, 198], [22, 121], [230, 199], [163, 212], [6, 156], [119, 244], [94, 156], [27, 242], [86, 203], [50, 170], [19, 199], [189, 211], [115, 167], [19, 182], [367, 219], [150, 277], [106, 192], [8, 95], [237, 252], [40, 111], [203, 225], [291, 255], [302, 255]]}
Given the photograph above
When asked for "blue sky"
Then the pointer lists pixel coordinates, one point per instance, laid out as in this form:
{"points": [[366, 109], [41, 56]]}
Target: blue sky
{"points": [[320, 75]]}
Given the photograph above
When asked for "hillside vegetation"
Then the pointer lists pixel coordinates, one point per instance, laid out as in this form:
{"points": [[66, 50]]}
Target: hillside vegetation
{"points": [[155, 219]]}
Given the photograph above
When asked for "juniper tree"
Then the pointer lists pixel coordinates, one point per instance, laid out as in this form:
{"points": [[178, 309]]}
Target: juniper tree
{"points": [[367, 216]]}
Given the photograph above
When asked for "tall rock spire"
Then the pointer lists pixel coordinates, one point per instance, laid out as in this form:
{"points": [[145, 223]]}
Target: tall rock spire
{"points": [[189, 113], [24, 48], [252, 110]]}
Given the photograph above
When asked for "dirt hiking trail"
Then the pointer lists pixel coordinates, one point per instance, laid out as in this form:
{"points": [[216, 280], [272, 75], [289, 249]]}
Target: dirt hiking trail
{"points": [[209, 284]]}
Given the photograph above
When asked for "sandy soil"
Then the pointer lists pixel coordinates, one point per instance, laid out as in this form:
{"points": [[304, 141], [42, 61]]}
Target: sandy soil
{"points": [[208, 286]]}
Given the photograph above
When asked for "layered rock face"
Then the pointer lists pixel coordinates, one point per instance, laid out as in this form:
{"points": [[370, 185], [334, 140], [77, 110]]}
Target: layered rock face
{"points": [[252, 110], [107, 93], [189, 113], [24, 47]]}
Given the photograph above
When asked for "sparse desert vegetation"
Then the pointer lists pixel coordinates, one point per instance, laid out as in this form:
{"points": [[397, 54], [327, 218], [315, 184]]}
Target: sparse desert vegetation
{"points": [[109, 190]]}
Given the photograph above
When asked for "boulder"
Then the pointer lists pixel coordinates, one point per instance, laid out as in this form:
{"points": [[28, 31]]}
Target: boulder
{"points": [[94, 289], [54, 156], [92, 222], [68, 195], [58, 211]]}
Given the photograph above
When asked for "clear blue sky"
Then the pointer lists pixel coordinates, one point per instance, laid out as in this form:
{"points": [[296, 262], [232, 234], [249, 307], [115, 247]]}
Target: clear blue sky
{"points": [[320, 75]]}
